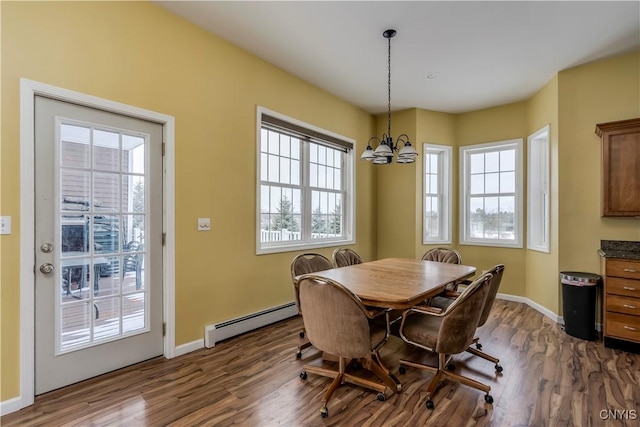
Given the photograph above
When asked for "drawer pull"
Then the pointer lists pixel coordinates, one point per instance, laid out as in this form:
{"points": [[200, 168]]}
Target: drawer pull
{"points": [[629, 270], [628, 306], [629, 288], [631, 328]]}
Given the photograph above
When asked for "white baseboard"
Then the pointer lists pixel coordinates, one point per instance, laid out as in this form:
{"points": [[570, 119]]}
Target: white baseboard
{"points": [[189, 347], [11, 405], [539, 308]]}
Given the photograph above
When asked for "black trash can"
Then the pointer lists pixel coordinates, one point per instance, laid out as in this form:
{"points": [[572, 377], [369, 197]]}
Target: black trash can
{"points": [[579, 303]]}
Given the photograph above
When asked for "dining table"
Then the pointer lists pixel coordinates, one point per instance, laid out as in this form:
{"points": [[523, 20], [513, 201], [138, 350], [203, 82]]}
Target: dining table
{"points": [[397, 283], [394, 283]]}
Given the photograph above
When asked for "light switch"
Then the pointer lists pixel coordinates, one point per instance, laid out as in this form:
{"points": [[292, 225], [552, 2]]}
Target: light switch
{"points": [[5, 225], [204, 224]]}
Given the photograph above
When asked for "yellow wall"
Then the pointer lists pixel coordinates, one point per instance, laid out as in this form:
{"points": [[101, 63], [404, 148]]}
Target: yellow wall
{"points": [[542, 271], [396, 193], [139, 54], [595, 93], [491, 125]]}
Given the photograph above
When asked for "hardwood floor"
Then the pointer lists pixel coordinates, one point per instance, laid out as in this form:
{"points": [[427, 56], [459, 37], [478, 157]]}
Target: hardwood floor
{"points": [[549, 379]]}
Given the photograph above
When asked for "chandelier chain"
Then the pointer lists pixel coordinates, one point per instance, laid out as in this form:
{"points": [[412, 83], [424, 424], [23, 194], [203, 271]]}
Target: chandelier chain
{"points": [[389, 92]]}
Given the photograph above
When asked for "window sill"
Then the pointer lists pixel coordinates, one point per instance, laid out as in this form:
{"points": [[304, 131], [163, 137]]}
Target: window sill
{"points": [[303, 246]]}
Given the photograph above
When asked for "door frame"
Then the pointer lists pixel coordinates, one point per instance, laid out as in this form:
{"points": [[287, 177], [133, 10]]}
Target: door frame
{"points": [[29, 89]]}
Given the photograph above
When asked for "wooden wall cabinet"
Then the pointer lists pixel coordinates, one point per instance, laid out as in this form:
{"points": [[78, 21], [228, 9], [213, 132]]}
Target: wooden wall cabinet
{"points": [[620, 167]]}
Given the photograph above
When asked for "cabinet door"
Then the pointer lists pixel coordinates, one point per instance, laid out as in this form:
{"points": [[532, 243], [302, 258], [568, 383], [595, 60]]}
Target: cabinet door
{"points": [[620, 168]]}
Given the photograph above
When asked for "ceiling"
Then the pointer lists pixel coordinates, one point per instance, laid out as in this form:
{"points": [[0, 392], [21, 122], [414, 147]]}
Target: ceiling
{"points": [[484, 53]]}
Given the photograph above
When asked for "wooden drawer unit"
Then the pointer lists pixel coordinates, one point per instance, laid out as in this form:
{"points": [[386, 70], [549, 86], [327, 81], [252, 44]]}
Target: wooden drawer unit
{"points": [[622, 299], [623, 268], [623, 327]]}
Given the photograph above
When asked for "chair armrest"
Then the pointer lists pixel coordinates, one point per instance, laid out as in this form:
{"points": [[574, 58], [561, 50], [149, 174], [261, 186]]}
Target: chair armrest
{"points": [[450, 294], [426, 309]]}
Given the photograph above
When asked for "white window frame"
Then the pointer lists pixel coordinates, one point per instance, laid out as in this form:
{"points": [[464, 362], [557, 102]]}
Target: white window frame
{"points": [[443, 193], [538, 177], [465, 190], [348, 201]]}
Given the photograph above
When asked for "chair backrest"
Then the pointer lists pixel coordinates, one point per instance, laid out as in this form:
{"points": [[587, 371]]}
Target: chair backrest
{"points": [[304, 264], [335, 319], [447, 255], [460, 320], [496, 272], [343, 257]]}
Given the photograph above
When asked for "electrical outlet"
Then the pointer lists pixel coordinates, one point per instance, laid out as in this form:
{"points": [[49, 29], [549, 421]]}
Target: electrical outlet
{"points": [[204, 224], [5, 225]]}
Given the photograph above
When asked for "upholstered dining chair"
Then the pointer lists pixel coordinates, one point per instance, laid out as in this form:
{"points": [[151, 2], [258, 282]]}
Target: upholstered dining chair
{"points": [[339, 324], [447, 255], [447, 299], [303, 264], [447, 333], [343, 257]]}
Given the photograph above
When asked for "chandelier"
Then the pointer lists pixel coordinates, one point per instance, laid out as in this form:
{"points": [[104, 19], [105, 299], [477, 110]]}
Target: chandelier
{"points": [[383, 154]]}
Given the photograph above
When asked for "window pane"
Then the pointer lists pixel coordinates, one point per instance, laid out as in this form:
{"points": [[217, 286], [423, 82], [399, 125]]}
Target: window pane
{"points": [[274, 143], [477, 163], [285, 145], [476, 217], [106, 150], [295, 148], [434, 184], [433, 163], [508, 160], [295, 172], [313, 153], [285, 172], [322, 176], [264, 137], [274, 169], [491, 183], [477, 184], [313, 175], [263, 167], [337, 179], [133, 154], [492, 162], [508, 182]]}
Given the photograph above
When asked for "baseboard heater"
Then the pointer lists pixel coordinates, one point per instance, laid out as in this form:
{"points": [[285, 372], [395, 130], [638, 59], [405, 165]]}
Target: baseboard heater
{"points": [[230, 328]]}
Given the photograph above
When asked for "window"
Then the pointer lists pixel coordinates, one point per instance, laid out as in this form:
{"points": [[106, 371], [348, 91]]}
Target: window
{"points": [[437, 197], [538, 191], [491, 196], [305, 186]]}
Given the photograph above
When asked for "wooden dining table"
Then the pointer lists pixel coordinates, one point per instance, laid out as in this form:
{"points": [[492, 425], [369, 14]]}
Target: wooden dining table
{"points": [[392, 283], [397, 283]]}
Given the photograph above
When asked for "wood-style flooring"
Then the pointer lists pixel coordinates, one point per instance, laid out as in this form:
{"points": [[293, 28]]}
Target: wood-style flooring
{"points": [[549, 379]]}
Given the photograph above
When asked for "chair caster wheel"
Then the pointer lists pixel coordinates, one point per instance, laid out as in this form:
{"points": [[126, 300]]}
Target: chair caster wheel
{"points": [[303, 375], [451, 367], [430, 404], [488, 399], [499, 368], [324, 412], [402, 370], [301, 334], [381, 397], [299, 355], [479, 346]]}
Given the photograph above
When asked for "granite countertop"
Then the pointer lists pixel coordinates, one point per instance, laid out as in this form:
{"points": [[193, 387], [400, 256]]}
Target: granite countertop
{"points": [[619, 249]]}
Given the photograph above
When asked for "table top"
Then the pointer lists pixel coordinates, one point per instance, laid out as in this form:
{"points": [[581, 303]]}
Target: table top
{"points": [[397, 282]]}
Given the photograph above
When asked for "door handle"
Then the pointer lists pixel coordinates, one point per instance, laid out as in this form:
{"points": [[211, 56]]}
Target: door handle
{"points": [[46, 268]]}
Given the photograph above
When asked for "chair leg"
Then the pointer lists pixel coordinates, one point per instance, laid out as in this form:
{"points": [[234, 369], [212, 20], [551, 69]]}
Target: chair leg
{"points": [[302, 347], [486, 356]]}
